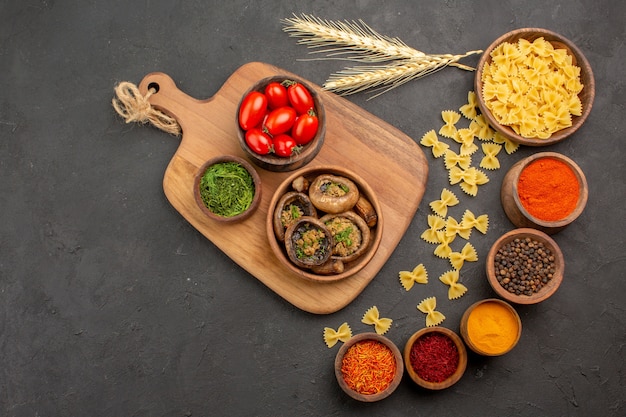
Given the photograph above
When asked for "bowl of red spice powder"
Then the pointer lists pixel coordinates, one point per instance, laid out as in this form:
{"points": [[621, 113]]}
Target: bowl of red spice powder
{"points": [[545, 191], [435, 358], [369, 367], [525, 266]]}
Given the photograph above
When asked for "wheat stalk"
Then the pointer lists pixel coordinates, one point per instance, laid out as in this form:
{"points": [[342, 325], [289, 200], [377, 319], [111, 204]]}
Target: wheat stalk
{"points": [[356, 41]]}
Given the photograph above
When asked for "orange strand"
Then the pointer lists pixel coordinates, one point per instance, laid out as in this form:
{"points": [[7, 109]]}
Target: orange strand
{"points": [[368, 367], [548, 189]]}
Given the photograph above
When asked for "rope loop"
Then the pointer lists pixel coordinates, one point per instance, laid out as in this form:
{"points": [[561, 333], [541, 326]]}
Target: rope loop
{"points": [[133, 107]]}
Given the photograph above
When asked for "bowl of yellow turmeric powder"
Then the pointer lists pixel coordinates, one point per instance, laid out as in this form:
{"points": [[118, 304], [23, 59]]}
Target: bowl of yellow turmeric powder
{"points": [[491, 327]]}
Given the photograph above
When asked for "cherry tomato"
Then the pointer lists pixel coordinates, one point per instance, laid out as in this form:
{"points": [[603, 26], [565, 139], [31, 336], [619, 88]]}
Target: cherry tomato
{"points": [[276, 95], [259, 141], [285, 145], [299, 97], [280, 120], [252, 110], [305, 128]]}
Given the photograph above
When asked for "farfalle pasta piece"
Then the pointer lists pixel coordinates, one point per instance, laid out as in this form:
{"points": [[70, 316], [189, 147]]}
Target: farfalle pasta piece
{"points": [[455, 228], [468, 253], [480, 178], [431, 140], [450, 118], [433, 317], [435, 223], [448, 199], [457, 175], [451, 159], [509, 145], [418, 275], [468, 147], [481, 128], [468, 110], [480, 223], [443, 249], [490, 160], [372, 316], [451, 279], [332, 336]]}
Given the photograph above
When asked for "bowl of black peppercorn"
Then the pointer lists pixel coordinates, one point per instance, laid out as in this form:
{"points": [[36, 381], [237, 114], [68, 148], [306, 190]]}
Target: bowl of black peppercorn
{"points": [[525, 266]]}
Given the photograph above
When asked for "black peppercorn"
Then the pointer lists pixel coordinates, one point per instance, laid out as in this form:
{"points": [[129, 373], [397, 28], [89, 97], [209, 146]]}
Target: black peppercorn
{"points": [[524, 266]]}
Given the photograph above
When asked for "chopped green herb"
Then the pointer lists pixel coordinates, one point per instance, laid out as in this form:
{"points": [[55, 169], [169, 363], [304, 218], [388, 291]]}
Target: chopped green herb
{"points": [[227, 189], [344, 236]]}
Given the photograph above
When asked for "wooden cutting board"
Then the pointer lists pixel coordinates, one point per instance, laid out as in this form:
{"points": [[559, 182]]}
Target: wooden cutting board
{"points": [[389, 161]]}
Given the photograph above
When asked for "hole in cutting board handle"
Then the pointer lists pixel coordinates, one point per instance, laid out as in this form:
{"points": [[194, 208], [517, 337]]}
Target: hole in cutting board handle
{"points": [[154, 86]]}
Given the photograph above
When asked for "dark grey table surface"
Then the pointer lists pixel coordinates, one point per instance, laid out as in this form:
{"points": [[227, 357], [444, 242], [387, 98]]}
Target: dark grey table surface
{"points": [[113, 305]]}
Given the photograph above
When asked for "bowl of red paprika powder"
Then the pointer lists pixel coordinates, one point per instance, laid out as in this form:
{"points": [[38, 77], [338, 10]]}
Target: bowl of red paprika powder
{"points": [[545, 191], [369, 367], [525, 266], [435, 358]]}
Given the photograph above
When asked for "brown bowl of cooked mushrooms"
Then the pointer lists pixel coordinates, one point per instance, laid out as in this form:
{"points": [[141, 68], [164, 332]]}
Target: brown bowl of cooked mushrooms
{"points": [[324, 223]]}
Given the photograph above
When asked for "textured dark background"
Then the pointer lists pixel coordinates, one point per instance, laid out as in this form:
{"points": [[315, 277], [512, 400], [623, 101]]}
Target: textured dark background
{"points": [[111, 304]]}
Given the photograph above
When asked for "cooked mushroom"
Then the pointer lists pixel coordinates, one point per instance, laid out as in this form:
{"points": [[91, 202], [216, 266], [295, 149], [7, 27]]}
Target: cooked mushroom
{"points": [[331, 267], [333, 194], [364, 208], [308, 242], [289, 208], [350, 234]]}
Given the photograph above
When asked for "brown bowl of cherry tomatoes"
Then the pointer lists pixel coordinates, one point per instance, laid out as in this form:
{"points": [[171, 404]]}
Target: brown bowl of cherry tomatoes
{"points": [[281, 123]]}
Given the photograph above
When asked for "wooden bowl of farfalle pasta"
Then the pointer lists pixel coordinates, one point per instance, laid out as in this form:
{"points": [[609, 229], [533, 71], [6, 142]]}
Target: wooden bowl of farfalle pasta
{"points": [[534, 86]]}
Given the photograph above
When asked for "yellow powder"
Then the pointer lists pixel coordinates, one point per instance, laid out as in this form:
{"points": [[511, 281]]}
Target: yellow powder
{"points": [[492, 328]]}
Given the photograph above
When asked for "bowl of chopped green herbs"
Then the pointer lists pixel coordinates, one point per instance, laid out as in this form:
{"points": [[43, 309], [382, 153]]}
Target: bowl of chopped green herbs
{"points": [[227, 188]]}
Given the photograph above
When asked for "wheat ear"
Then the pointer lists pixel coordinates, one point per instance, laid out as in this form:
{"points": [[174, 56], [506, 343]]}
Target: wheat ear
{"points": [[356, 41]]}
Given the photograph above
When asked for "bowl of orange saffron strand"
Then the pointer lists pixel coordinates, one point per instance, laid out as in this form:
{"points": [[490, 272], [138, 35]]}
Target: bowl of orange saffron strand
{"points": [[435, 358], [491, 327], [369, 367], [545, 191]]}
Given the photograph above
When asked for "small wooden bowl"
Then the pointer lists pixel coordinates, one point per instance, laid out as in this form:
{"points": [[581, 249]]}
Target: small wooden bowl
{"points": [[516, 212], [470, 343], [548, 289], [586, 96], [257, 189], [350, 268], [397, 375], [276, 163], [452, 379]]}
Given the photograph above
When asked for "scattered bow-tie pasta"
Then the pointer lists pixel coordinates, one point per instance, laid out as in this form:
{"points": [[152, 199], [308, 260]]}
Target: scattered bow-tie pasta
{"points": [[468, 253], [490, 160], [480, 223], [372, 316], [469, 110], [332, 336], [435, 223], [509, 145], [443, 249], [451, 279], [448, 199], [452, 159], [453, 227], [431, 140], [532, 87], [417, 275], [450, 118], [433, 317]]}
